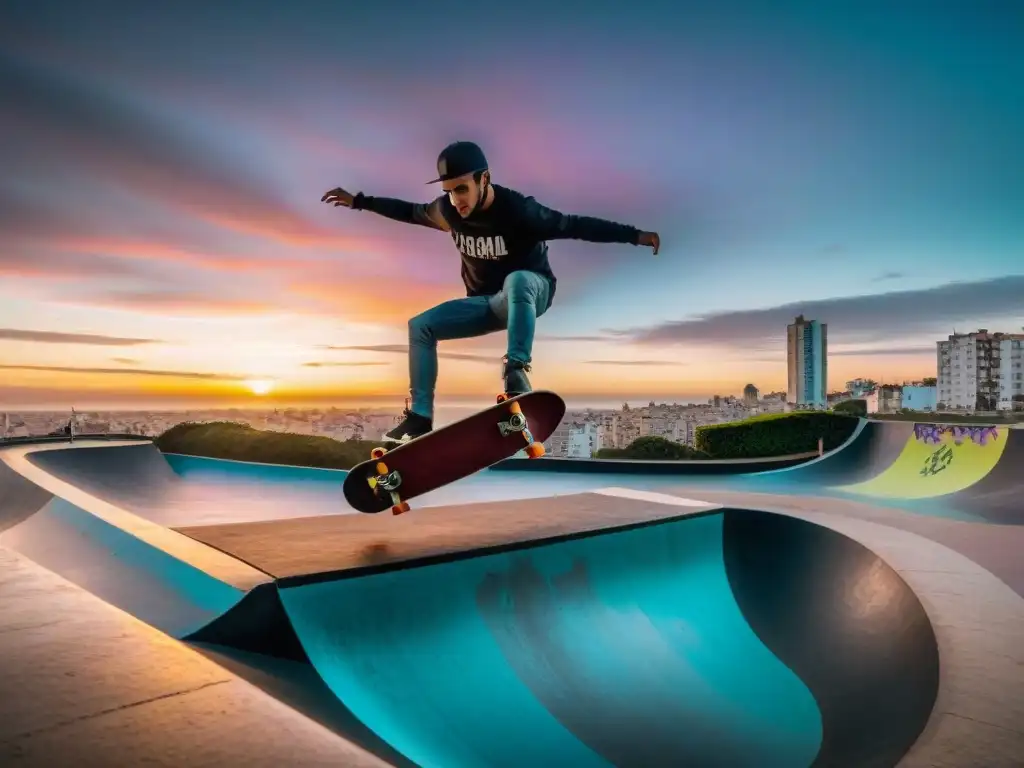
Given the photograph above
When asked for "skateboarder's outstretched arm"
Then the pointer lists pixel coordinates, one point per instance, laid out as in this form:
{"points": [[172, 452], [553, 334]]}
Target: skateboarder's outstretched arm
{"points": [[548, 224], [423, 214]]}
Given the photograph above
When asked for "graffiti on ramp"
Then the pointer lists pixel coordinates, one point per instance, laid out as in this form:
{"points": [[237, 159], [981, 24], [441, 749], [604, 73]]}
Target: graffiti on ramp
{"points": [[937, 460]]}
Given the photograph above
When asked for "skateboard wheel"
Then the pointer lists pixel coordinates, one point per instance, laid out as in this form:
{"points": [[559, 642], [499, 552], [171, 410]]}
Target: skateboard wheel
{"points": [[502, 398], [535, 450], [400, 508], [377, 453], [382, 468], [514, 408]]}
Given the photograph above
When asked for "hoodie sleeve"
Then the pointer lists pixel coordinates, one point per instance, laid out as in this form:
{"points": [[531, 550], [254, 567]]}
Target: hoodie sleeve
{"points": [[423, 214], [548, 224]]}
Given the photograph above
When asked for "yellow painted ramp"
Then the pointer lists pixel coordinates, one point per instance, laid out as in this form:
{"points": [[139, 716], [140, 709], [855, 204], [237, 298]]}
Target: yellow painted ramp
{"points": [[937, 460]]}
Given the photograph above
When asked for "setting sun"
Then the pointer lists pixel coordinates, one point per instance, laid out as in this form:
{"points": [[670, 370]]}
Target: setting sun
{"points": [[260, 386]]}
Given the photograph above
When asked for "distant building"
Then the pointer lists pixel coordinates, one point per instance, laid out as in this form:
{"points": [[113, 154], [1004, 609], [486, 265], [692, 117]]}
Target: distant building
{"points": [[1011, 373], [887, 398], [750, 394], [773, 402], [918, 398], [834, 398], [584, 441], [807, 363], [859, 387], [980, 371]]}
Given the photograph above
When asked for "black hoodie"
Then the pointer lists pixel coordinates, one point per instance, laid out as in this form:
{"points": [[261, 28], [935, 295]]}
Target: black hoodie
{"points": [[508, 236]]}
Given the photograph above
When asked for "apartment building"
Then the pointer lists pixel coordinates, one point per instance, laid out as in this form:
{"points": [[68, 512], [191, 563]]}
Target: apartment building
{"points": [[584, 440], [807, 363], [1011, 373], [980, 371]]}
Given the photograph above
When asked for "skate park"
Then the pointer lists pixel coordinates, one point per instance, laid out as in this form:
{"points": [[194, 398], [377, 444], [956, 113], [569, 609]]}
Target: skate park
{"points": [[861, 608]]}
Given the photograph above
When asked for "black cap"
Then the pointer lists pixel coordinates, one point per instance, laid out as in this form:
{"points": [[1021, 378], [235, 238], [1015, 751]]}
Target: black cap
{"points": [[458, 159]]}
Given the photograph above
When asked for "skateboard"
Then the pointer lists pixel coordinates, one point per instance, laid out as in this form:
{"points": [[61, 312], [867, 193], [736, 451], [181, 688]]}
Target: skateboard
{"points": [[389, 478]]}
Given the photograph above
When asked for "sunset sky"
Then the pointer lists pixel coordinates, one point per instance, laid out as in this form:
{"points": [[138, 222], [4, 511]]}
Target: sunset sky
{"points": [[162, 238]]}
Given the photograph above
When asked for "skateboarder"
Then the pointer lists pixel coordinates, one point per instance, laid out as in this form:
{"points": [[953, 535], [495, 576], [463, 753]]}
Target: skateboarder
{"points": [[500, 234]]}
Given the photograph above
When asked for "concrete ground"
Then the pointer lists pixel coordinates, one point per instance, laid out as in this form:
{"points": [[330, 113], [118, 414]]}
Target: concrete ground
{"points": [[86, 684]]}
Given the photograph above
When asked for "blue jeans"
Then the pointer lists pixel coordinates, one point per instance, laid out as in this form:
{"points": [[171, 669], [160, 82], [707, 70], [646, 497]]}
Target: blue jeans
{"points": [[523, 298]]}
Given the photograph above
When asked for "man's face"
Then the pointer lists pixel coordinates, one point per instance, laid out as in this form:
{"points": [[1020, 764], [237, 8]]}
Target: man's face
{"points": [[464, 193]]}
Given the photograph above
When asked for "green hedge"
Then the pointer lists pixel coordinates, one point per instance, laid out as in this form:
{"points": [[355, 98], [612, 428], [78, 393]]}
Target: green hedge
{"points": [[231, 440], [651, 447], [775, 434]]}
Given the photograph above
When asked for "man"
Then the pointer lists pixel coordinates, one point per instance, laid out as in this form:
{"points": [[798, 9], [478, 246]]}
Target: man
{"points": [[501, 236]]}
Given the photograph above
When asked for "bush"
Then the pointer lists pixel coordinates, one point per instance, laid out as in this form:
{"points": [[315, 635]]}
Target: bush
{"points": [[852, 408], [231, 440], [611, 453], [650, 448], [776, 434]]}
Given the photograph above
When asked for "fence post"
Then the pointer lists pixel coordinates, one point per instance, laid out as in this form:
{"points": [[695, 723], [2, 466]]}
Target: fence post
{"points": [[821, 446]]}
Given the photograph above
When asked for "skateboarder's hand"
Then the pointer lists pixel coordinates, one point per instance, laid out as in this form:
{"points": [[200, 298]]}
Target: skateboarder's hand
{"points": [[338, 196], [651, 239]]}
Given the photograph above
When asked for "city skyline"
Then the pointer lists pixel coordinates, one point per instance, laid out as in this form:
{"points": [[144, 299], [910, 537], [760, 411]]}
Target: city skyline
{"points": [[863, 170]]}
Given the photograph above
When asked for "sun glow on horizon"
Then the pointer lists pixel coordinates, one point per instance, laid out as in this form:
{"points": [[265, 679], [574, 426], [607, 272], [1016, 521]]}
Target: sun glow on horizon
{"points": [[260, 386]]}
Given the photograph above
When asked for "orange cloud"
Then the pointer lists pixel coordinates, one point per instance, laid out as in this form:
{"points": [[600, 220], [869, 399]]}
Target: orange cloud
{"points": [[284, 228], [148, 250], [345, 364], [55, 266], [56, 337], [403, 349], [634, 363], [125, 372], [183, 303], [87, 254], [384, 301]]}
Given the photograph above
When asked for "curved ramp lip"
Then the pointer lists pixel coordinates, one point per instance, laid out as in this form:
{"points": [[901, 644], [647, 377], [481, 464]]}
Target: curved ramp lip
{"points": [[656, 467], [202, 557], [654, 497], [255, 463], [862, 424]]}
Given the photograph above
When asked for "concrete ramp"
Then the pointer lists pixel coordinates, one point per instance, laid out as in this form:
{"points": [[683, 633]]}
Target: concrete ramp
{"points": [[169, 580], [129, 475], [728, 638], [139, 478], [20, 498], [974, 470], [969, 472]]}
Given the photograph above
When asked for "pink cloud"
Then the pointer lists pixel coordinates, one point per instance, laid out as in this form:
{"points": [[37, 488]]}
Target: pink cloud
{"points": [[179, 303], [57, 266]]}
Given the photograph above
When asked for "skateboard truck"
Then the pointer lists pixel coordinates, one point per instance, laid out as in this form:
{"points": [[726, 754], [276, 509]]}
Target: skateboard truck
{"points": [[517, 423], [388, 481]]}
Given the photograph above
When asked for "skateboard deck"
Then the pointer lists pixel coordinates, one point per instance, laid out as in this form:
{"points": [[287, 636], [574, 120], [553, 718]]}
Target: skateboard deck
{"points": [[389, 478]]}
